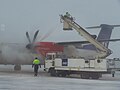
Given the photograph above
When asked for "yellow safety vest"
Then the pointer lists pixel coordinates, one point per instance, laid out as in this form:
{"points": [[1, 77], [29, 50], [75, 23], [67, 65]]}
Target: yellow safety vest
{"points": [[36, 61]]}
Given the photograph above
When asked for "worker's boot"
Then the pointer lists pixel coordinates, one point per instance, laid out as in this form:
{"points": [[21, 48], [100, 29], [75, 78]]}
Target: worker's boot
{"points": [[35, 74]]}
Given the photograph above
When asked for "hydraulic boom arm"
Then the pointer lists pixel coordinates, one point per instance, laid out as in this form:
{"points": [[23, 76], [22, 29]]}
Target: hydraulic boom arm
{"points": [[69, 23]]}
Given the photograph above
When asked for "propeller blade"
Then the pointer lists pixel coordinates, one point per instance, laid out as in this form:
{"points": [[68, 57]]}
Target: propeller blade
{"points": [[34, 38], [28, 37]]}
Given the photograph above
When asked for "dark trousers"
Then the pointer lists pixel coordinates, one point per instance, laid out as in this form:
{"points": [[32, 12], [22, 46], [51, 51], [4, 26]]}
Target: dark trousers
{"points": [[113, 75], [36, 70]]}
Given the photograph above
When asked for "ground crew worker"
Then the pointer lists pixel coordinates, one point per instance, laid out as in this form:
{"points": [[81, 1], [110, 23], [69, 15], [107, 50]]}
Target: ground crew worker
{"points": [[36, 64], [113, 73], [68, 16]]}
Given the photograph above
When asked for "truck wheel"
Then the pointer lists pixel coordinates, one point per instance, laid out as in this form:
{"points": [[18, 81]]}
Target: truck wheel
{"points": [[52, 72], [95, 76], [85, 76], [63, 74]]}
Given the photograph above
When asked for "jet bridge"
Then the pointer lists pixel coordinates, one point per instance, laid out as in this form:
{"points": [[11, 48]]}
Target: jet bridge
{"points": [[70, 24]]}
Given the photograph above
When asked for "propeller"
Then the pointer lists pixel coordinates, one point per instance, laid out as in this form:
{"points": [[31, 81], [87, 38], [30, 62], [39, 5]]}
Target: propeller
{"points": [[30, 45]]}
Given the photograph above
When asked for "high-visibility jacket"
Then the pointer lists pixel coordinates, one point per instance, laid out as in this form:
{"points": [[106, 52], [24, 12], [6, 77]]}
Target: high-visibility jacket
{"points": [[36, 61]]}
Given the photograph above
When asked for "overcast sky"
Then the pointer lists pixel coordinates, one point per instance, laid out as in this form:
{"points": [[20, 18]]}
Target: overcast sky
{"points": [[19, 16]]}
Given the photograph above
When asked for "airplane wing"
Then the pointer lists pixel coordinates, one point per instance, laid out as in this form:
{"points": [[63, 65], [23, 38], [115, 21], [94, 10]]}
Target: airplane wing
{"points": [[75, 43]]}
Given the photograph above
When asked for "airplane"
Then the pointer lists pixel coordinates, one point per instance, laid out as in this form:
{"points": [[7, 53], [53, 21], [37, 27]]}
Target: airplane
{"points": [[21, 54], [86, 50]]}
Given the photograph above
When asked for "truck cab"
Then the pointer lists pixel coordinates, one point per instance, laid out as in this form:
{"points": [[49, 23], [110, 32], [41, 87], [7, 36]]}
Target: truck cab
{"points": [[49, 61]]}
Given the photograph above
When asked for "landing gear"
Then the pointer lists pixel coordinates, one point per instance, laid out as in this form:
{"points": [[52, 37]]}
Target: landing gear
{"points": [[17, 67]]}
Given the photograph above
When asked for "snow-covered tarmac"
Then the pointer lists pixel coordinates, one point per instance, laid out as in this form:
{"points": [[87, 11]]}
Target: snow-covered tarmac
{"points": [[24, 80]]}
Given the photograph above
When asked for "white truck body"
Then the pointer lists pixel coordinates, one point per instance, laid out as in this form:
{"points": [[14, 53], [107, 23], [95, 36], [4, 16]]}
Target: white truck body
{"points": [[66, 66], [80, 65]]}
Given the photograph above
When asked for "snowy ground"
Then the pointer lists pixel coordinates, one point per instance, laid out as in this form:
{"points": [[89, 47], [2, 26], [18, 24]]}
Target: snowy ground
{"points": [[24, 80]]}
